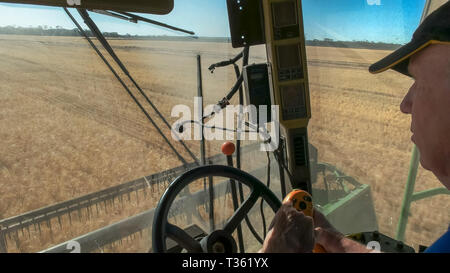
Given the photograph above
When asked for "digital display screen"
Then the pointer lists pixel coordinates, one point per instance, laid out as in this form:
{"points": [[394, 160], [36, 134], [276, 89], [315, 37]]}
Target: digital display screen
{"points": [[289, 56], [258, 87], [293, 96], [257, 76], [293, 102], [260, 96], [285, 14]]}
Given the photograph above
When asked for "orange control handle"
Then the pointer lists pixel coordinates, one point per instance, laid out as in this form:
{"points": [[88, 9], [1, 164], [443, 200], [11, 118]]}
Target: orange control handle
{"points": [[302, 201]]}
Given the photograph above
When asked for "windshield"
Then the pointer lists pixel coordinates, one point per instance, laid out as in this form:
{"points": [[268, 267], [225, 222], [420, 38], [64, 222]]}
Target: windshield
{"points": [[87, 142]]}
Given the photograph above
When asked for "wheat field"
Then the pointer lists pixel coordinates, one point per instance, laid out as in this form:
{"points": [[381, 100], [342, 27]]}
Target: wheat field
{"points": [[68, 128]]}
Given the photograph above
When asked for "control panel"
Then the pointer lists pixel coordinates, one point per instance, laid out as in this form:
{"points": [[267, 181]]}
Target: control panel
{"points": [[286, 52]]}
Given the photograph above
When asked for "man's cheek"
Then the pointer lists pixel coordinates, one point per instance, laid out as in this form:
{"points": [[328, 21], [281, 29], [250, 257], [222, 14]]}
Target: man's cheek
{"points": [[424, 162], [431, 158], [424, 147]]}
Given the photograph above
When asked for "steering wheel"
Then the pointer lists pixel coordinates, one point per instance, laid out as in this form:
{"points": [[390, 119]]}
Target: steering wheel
{"points": [[220, 240]]}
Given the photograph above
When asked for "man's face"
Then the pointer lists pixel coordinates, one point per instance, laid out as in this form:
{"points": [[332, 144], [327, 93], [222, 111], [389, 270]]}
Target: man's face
{"points": [[428, 102]]}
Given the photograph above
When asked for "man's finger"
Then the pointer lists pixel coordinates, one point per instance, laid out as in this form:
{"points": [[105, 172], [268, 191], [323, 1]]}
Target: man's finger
{"points": [[321, 221], [275, 218], [281, 214]]}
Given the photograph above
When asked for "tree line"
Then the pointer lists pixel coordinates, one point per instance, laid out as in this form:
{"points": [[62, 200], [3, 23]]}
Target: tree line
{"points": [[353, 44], [59, 31], [45, 31]]}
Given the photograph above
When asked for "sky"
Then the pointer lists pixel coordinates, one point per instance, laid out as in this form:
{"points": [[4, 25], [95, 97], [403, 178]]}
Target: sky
{"points": [[390, 21]]}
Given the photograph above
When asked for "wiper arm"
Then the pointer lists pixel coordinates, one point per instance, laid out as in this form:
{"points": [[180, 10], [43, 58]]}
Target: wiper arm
{"points": [[112, 14], [136, 18], [143, 19]]}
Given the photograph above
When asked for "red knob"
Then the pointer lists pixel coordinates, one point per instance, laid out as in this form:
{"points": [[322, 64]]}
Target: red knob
{"points": [[228, 148]]}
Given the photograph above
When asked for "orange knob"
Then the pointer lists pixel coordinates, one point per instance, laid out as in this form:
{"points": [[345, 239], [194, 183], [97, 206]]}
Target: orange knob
{"points": [[301, 200], [228, 148]]}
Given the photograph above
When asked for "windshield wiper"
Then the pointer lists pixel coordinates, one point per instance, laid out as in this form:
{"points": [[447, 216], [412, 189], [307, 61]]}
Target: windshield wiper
{"points": [[94, 29], [113, 14], [133, 18]]}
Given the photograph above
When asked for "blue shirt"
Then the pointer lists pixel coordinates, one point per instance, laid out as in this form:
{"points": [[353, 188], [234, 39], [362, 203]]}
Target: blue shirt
{"points": [[442, 245]]}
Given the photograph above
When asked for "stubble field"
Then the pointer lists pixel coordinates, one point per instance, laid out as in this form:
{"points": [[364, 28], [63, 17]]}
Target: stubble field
{"points": [[68, 128]]}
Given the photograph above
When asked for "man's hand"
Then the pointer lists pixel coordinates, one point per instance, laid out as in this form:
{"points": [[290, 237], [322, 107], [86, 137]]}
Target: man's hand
{"points": [[332, 240], [290, 232]]}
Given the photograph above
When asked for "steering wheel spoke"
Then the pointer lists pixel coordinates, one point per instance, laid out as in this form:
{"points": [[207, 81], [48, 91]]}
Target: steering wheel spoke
{"points": [[241, 212], [183, 239]]}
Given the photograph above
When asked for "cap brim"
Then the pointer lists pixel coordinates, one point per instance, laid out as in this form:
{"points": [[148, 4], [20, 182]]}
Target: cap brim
{"points": [[399, 59]]}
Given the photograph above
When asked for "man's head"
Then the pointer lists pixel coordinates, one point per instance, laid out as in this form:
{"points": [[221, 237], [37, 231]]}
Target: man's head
{"points": [[428, 102], [427, 60]]}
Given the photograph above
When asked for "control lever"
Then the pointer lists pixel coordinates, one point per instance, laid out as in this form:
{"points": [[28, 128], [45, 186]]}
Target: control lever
{"points": [[302, 201]]}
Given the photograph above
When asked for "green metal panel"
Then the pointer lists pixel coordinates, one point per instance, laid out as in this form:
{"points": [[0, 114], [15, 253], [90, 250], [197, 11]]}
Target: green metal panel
{"points": [[352, 213]]}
